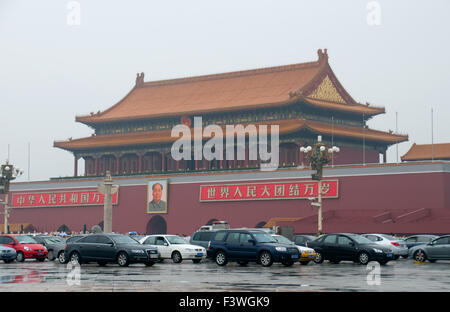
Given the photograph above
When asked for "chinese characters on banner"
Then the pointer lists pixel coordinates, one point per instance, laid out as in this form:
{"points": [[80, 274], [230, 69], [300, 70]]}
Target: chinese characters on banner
{"points": [[60, 199], [267, 191]]}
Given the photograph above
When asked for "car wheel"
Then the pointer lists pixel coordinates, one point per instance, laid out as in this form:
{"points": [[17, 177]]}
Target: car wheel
{"points": [[122, 259], [176, 257], [265, 258], [420, 256], [102, 263], [149, 263], [50, 255], [75, 258], [196, 260], [304, 262], [20, 257], [363, 258], [61, 257], [319, 257], [221, 258]]}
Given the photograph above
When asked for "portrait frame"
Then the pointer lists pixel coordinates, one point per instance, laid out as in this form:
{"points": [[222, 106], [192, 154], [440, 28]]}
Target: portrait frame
{"points": [[164, 197]]}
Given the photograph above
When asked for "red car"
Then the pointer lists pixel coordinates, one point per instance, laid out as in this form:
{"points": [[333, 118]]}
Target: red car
{"points": [[25, 246]]}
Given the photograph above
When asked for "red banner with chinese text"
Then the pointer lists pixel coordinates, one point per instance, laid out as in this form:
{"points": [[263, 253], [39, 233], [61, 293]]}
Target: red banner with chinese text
{"points": [[60, 199], [268, 191]]}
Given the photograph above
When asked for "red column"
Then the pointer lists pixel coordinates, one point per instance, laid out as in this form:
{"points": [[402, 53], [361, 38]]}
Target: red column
{"points": [[118, 164], [96, 165], [75, 174], [140, 156], [163, 161]]}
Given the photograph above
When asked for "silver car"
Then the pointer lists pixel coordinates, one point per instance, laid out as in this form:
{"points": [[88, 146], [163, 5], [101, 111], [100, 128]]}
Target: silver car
{"points": [[398, 246], [437, 249], [7, 254]]}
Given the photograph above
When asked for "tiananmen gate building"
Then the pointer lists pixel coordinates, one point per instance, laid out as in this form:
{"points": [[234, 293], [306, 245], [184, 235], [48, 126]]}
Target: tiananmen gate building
{"points": [[132, 139]]}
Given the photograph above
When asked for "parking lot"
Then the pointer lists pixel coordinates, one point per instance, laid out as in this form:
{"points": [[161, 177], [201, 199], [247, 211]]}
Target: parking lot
{"points": [[400, 275]]}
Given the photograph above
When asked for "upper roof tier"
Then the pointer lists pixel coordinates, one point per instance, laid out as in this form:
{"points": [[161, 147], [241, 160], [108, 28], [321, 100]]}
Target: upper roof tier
{"points": [[312, 82]]}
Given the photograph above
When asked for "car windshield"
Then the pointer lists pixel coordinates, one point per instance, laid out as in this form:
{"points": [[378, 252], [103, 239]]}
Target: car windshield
{"points": [[25, 240], [123, 239], [283, 240], [174, 239], [360, 239], [264, 238]]}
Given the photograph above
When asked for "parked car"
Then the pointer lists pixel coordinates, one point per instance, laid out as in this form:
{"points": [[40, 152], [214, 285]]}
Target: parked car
{"points": [[55, 245], [25, 247], [351, 247], [175, 247], [202, 238], [246, 246], [419, 239], [398, 246], [303, 240], [306, 254], [437, 249], [7, 254], [110, 248]]}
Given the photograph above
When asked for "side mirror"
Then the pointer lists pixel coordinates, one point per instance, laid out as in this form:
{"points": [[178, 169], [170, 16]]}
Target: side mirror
{"points": [[252, 241], [165, 244], [111, 244], [352, 244], [12, 244]]}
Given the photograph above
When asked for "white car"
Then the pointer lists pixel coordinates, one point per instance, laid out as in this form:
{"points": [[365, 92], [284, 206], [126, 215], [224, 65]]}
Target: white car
{"points": [[398, 246], [174, 247]]}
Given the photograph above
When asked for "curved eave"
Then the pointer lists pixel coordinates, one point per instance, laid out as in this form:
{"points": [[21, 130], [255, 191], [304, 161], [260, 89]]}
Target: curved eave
{"points": [[358, 109]]}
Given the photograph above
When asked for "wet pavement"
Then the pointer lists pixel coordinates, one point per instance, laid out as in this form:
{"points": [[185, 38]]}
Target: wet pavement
{"points": [[400, 275]]}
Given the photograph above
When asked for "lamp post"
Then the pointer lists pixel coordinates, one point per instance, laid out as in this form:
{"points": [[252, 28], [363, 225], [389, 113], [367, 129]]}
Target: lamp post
{"points": [[318, 158], [8, 173]]}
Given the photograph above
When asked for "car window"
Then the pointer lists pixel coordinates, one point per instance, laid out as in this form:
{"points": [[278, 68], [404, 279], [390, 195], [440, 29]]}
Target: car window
{"points": [[243, 239], [330, 239], [150, 240], [220, 236], [423, 239], [206, 236], [441, 241], [282, 240], [299, 240], [233, 238], [344, 240], [261, 237], [25, 240], [3, 240], [160, 241], [389, 237], [103, 240], [88, 239], [372, 238], [175, 239], [196, 236], [411, 239]]}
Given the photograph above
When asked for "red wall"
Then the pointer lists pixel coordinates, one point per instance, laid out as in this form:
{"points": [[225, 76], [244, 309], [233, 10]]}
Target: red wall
{"points": [[360, 199]]}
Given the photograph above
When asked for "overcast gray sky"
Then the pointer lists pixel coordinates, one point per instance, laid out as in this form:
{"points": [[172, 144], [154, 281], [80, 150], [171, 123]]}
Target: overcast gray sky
{"points": [[51, 71]]}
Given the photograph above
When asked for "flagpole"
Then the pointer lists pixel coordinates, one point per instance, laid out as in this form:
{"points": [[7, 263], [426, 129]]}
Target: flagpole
{"points": [[432, 137]]}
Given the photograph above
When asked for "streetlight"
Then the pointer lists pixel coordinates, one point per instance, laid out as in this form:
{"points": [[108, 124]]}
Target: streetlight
{"points": [[319, 157], [8, 173]]}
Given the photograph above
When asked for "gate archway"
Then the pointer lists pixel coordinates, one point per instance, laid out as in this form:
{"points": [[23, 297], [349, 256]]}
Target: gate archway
{"points": [[156, 225]]}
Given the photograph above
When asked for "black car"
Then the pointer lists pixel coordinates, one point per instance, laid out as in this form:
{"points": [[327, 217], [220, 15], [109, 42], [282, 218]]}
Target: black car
{"points": [[350, 247], [202, 238], [54, 244], [303, 240], [246, 246], [110, 248]]}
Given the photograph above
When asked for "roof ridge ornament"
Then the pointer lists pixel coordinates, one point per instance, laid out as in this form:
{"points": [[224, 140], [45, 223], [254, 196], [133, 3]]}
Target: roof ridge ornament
{"points": [[139, 80], [323, 55]]}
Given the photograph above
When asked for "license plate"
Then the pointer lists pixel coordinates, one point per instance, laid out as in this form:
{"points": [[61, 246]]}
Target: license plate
{"points": [[200, 254], [311, 256], [389, 255], [294, 256], [40, 254], [153, 255]]}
